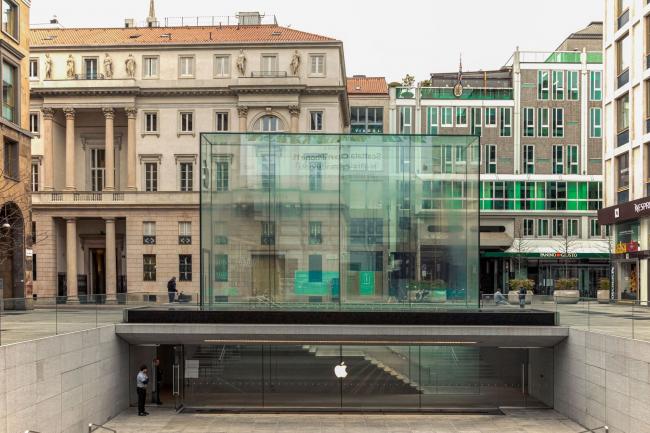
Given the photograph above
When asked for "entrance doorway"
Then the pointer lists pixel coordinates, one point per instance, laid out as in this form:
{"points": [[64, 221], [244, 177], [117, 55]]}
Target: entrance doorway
{"points": [[97, 271], [267, 273]]}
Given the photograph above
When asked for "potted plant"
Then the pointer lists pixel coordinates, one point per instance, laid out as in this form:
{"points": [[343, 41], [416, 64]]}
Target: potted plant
{"points": [[604, 287], [439, 293], [515, 285], [566, 291]]}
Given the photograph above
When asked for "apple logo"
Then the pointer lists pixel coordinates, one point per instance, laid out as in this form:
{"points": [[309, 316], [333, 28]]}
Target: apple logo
{"points": [[341, 371]]}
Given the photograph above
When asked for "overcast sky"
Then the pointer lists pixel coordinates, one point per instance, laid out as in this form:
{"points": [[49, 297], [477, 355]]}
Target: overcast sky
{"points": [[380, 37]]}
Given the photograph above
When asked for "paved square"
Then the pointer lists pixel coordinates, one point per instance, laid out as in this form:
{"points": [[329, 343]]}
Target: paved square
{"points": [[515, 421]]}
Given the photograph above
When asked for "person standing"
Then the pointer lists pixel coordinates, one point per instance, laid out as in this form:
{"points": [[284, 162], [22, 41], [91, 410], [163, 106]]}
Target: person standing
{"points": [[171, 289], [522, 297], [158, 377], [141, 382]]}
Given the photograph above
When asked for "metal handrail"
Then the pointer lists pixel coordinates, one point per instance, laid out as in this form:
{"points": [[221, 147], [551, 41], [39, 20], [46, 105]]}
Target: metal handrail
{"points": [[92, 427], [597, 428]]}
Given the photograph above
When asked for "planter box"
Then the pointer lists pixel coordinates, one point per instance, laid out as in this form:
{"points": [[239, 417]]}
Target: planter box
{"points": [[603, 296], [439, 296], [513, 297], [566, 296]]}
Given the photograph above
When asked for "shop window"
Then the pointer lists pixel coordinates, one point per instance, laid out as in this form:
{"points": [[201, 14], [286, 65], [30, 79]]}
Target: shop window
{"points": [[149, 267], [185, 267]]}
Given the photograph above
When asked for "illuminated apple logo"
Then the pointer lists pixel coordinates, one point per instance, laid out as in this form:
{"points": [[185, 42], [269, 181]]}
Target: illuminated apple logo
{"points": [[341, 371]]}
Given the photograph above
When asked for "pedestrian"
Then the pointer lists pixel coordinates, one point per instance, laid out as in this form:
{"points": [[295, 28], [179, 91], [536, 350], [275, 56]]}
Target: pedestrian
{"points": [[142, 379], [158, 376], [522, 297], [171, 289], [499, 299]]}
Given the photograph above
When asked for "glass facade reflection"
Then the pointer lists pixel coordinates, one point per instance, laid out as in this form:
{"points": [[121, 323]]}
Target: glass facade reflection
{"points": [[413, 377], [339, 221]]}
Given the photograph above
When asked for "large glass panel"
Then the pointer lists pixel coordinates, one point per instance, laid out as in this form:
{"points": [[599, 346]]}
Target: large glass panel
{"points": [[397, 220]]}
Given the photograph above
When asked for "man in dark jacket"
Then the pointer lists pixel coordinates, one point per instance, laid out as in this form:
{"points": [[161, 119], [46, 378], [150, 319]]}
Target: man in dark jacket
{"points": [[522, 297], [171, 289], [155, 396]]}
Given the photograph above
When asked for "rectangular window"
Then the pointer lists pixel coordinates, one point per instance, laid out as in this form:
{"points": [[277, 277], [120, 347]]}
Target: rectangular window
{"points": [[558, 85], [542, 122], [11, 159], [150, 66], [149, 267], [558, 228], [151, 176], [316, 121], [461, 116], [595, 123], [34, 267], [185, 233], [623, 113], [542, 228], [149, 233], [573, 82], [221, 122], [221, 66], [151, 123], [573, 228], [505, 113], [33, 69], [595, 86], [90, 65], [186, 66], [558, 159], [574, 159], [529, 159], [268, 233], [595, 229], [623, 56], [623, 169], [186, 176], [529, 122], [9, 91], [491, 117], [220, 268], [269, 64], [405, 120], [35, 176], [367, 231], [315, 233], [542, 85], [558, 122], [316, 173], [317, 64], [34, 123], [220, 235], [222, 175], [186, 122], [10, 18], [367, 120], [185, 267], [477, 121], [528, 227], [432, 120], [315, 268], [447, 117], [491, 158]]}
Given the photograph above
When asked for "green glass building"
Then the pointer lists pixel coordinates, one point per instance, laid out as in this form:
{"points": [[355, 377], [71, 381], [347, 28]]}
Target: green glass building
{"points": [[339, 221]]}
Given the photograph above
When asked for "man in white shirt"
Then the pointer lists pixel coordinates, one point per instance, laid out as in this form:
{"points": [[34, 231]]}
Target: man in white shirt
{"points": [[141, 382]]}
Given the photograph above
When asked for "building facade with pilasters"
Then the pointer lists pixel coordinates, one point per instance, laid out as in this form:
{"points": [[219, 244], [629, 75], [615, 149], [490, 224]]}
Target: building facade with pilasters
{"points": [[117, 115]]}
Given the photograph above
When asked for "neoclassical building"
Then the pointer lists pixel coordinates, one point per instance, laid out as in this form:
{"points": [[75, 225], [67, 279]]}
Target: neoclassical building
{"points": [[117, 115]]}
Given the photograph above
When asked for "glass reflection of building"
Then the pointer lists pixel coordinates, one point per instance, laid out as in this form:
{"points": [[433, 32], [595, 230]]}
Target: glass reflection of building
{"points": [[339, 219]]}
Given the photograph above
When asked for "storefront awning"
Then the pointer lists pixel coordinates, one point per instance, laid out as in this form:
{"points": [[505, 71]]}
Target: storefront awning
{"points": [[555, 249]]}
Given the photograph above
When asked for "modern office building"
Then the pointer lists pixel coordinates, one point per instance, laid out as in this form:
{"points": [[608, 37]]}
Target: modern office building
{"points": [[15, 148], [116, 114], [626, 139], [539, 121]]}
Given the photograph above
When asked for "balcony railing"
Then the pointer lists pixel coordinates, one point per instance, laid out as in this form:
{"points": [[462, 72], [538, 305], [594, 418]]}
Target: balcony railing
{"points": [[92, 198], [483, 93], [622, 138], [185, 240], [89, 76], [623, 78], [269, 74]]}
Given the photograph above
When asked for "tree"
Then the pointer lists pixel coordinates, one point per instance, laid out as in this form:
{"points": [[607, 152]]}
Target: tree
{"points": [[566, 247], [520, 245]]}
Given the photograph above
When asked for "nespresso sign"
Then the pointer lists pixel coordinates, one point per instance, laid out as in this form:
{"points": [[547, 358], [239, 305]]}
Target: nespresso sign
{"points": [[625, 212]]}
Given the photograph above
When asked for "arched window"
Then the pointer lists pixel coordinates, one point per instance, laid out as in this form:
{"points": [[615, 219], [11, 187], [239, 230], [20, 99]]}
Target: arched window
{"points": [[268, 123]]}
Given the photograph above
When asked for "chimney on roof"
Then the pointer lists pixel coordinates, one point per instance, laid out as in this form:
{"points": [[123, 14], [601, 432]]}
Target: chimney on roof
{"points": [[129, 22], [54, 20], [249, 18], [152, 21]]}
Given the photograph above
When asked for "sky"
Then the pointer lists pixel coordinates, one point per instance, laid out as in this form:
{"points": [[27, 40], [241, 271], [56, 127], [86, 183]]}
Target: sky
{"points": [[379, 39]]}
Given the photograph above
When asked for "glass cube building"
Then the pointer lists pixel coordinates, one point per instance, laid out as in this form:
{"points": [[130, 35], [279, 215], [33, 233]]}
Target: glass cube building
{"points": [[316, 221]]}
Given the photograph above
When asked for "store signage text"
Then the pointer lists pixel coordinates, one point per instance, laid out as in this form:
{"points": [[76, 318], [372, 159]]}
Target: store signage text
{"points": [[560, 255], [626, 247]]}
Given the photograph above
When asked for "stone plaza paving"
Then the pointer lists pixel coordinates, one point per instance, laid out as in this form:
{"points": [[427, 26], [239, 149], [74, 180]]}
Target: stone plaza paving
{"points": [[513, 421]]}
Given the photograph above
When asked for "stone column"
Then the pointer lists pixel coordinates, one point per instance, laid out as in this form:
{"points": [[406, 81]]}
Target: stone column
{"points": [[111, 263], [294, 110], [70, 160], [109, 146], [71, 257], [131, 114], [242, 112], [48, 151]]}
